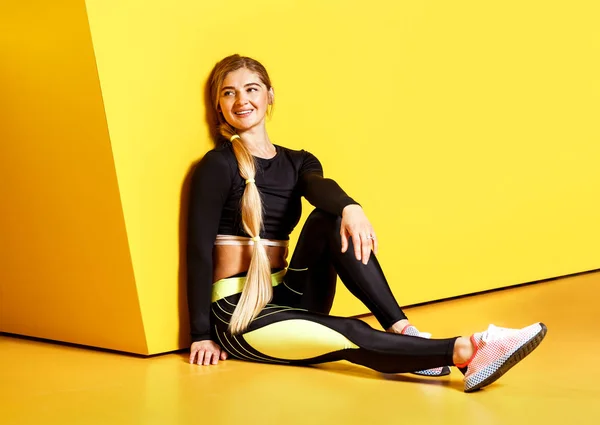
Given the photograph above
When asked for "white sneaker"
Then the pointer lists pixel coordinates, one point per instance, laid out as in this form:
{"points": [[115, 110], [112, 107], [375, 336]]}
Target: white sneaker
{"points": [[438, 371], [499, 349]]}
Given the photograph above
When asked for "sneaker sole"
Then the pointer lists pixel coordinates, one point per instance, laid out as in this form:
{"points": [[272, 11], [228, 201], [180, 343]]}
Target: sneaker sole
{"points": [[515, 358], [445, 372]]}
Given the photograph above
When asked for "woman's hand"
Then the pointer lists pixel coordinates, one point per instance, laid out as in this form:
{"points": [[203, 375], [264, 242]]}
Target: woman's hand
{"points": [[206, 353], [356, 225]]}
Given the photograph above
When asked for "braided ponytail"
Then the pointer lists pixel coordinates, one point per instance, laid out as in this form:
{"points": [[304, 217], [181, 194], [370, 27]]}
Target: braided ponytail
{"points": [[258, 289]]}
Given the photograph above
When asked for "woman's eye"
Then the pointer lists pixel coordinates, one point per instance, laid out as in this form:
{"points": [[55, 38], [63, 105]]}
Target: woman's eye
{"points": [[252, 89], [228, 93]]}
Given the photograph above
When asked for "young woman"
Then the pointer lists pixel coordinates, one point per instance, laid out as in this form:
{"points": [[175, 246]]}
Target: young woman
{"points": [[245, 300]]}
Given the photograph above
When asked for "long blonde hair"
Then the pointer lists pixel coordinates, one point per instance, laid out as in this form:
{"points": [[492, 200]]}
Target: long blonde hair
{"points": [[258, 289]]}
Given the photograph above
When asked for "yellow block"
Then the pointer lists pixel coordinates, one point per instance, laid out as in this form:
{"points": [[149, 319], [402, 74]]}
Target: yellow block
{"points": [[65, 269]]}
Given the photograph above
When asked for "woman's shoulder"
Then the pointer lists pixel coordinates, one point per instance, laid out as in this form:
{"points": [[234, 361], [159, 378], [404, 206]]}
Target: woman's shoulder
{"points": [[296, 155], [217, 161], [221, 154]]}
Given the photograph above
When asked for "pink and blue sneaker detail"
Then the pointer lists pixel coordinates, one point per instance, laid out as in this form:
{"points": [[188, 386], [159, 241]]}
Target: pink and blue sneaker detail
{"points": [[496, 351]]}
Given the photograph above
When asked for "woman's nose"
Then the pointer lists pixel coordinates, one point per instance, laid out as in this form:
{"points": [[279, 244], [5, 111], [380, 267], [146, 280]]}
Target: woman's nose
{"points": [[241, 99]]}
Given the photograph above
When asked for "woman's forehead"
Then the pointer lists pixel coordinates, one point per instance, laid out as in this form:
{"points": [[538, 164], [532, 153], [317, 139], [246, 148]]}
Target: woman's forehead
{"points": [[241, 77]]}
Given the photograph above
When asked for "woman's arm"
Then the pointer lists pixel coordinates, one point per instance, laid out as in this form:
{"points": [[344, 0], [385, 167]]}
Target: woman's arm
{"points": [[210, 186], [326, 194], [323, 193]]}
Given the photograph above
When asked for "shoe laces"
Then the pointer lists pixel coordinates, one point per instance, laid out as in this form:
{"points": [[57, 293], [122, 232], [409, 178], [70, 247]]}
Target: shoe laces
{"points": [[494, 333]]}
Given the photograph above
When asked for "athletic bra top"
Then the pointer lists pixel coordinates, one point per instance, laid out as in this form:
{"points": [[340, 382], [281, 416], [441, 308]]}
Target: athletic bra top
{"points": [[215, 195]]}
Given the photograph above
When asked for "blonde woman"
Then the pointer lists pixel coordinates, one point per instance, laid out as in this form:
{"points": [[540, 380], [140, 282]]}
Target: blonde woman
{"points": [[246, 302]]}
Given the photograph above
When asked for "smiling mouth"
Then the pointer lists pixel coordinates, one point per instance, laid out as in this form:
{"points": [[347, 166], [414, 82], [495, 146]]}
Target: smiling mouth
{"points": [[243, 113]]}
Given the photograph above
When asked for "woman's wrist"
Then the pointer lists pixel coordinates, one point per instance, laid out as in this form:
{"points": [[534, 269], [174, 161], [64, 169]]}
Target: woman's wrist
{"points": [[350, 207]]}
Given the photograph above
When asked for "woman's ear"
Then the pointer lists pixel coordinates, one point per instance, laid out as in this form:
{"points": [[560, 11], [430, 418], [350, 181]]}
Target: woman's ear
{"points": [[271, 96]]}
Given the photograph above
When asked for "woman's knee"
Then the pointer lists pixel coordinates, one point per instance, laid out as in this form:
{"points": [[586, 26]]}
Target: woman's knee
{"points": [[323, 220]]}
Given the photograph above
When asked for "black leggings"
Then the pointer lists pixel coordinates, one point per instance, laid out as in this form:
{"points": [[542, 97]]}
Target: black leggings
{"points": [[295, 327]]}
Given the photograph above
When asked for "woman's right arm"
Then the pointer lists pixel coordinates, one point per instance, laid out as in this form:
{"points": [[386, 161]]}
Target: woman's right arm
{"points": [[210, 186]]}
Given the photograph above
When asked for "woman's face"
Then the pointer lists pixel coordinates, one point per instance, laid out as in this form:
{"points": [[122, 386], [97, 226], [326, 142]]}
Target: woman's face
{"points": [[243, 99]]}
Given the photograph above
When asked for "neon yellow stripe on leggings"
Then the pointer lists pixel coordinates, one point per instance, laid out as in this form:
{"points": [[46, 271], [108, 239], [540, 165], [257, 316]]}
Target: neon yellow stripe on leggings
{"points": [[234, 285], [296, 339]]}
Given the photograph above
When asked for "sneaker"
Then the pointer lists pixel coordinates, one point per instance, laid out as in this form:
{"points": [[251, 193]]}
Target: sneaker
{"points": [[438, 371], [497, 350]]}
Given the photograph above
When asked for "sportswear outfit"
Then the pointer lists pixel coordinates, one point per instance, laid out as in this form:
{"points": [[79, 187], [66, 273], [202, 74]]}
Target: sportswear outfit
{"points": [[294, 328]]}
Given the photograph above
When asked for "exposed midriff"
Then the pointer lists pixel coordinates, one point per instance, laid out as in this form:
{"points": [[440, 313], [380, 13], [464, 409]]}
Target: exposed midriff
{"points": [[231, 260]]}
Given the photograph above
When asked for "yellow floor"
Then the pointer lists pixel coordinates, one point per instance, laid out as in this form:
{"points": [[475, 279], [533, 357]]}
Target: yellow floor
{"points": [[44, 383]]}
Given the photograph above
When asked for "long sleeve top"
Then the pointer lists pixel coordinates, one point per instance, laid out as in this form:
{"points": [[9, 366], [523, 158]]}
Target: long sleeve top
{"points": [[215, 195]]}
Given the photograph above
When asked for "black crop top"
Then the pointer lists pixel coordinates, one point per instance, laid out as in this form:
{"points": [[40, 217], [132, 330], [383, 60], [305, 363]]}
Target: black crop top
{"points": [[215, 195]]}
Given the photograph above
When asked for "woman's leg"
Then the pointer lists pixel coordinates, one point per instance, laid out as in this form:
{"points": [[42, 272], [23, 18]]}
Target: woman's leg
{"points": [[313, 270], [286, 335], [318, 258]]}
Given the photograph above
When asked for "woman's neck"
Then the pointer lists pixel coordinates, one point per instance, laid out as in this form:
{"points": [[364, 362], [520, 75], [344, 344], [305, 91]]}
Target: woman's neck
{"points": [[258, 143]]}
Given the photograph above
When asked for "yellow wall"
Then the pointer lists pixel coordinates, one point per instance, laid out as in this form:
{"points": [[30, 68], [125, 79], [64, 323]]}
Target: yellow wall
{"points": [[467, 131], [65, 270]]}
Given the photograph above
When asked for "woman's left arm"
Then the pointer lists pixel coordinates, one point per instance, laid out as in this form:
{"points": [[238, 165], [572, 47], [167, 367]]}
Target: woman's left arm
{"points": [[326, 194]]}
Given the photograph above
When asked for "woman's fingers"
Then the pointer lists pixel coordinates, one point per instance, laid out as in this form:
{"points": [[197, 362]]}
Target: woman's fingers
{"points": [[375, 244], [357, 245], [366, 248], [216, 356], [364, 243], [206, 352], [207, 358], [344, 236]]}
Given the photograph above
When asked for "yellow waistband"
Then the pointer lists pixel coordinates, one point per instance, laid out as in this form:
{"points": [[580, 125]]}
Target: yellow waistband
{"points": [[234, 285]]}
